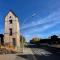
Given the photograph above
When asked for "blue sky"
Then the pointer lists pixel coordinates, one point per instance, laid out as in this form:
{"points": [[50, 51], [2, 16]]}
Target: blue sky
{"points": [[38, 18]]}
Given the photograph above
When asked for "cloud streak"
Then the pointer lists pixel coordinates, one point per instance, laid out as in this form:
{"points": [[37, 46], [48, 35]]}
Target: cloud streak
{"points": [[35, 28], [41, 29], [52, 17]]}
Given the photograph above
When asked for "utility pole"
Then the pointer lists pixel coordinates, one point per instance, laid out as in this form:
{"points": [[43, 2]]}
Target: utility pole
{"points": [[22, 44], [0, 43]]}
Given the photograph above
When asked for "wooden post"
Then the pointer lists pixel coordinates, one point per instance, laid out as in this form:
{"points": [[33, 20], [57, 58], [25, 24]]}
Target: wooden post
{"points": [[0, 43]]}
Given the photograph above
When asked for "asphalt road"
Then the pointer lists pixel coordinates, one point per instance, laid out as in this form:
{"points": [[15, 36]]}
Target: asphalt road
{"points": [[40, 52], [12, 57], [45, 52]]}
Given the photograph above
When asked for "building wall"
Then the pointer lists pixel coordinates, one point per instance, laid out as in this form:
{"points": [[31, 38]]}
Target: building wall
{"points": [[15, 30]]}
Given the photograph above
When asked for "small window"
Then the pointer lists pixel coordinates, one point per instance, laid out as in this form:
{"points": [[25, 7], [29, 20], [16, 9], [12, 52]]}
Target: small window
{"points": [[10, 31], [10, 21], [10, 17], [14, 42]]}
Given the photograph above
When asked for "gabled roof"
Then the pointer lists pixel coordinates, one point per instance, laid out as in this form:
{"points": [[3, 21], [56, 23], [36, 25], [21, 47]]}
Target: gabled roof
{"points": [[11, 12]]}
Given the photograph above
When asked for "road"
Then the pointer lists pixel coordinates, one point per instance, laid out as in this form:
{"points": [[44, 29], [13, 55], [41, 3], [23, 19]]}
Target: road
{"points": [[12, 57], [45, 52], [34, 52]]}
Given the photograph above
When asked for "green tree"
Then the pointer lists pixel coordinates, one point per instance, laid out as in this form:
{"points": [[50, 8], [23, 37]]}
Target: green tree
{"points": [[35, 40]]}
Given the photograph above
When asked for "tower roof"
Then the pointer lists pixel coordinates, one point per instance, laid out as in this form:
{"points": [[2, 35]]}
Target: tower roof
{"points": [[11, 12]]}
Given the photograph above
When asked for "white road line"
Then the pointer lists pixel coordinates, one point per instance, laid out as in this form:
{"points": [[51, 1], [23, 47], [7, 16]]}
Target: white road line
{"points": [[34, 56], [41, 52]]}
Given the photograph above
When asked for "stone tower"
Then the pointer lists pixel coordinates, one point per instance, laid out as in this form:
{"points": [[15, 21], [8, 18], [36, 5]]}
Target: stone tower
{"points": [[12, 34]]}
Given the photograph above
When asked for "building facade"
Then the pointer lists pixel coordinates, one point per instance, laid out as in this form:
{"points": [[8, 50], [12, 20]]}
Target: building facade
{"points": [[12, 34]]}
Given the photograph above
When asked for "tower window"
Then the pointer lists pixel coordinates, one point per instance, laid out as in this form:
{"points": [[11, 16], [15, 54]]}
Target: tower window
{"points": [[10, 21], [10, 17], [10, 31], [14, 42]]}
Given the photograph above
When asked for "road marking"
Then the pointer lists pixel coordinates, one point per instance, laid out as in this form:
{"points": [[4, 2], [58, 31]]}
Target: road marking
{"points": [[32, 55], [41, 52]]}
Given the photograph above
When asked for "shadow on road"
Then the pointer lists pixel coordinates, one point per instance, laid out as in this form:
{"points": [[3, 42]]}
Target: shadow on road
{"points": [[40, 57], [27, 57], [50, 57], [54, 56], [22, 56]]}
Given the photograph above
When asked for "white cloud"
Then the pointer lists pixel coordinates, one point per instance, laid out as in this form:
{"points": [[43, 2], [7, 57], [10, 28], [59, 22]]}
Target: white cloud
{"points": [[33, 14], [42, 29], [55, 16]]}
